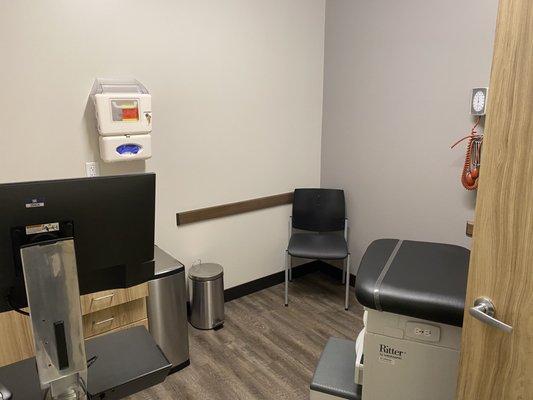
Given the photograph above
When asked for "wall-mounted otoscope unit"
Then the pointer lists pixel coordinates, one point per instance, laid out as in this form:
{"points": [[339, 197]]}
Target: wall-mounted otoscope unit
{"points": [[124, 119]]}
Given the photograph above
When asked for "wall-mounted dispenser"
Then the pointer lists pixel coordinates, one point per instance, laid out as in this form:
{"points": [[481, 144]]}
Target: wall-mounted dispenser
{"points": [[124, 118]]}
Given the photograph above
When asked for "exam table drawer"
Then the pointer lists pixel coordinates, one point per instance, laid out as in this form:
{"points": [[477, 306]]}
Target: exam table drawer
{"points": [[109, 298], [114, 317]]}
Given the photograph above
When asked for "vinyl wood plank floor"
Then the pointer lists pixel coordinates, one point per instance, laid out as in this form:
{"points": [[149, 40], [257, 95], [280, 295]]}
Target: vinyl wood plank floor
{"points": [[265, 350]]}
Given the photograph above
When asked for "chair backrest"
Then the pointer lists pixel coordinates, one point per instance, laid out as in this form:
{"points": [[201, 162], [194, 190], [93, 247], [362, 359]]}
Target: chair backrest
{"points": [[320, 210]]}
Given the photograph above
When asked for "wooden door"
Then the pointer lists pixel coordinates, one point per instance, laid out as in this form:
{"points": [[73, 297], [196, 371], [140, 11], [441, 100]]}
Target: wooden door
{"points": [[494, 364]]}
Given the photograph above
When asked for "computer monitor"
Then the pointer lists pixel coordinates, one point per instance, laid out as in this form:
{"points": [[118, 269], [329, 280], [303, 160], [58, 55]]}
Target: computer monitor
{"points": [[111, 220]]}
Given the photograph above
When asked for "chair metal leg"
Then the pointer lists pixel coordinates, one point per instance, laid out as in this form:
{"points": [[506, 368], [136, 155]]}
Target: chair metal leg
{"points": [[347, 295], [344, 271], [286, 278], [288, 241], [290, 267], [346, 264]]}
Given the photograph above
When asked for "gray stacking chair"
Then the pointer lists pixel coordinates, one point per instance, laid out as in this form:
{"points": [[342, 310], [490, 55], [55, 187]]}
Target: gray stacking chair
{"points": [[320, 214]]}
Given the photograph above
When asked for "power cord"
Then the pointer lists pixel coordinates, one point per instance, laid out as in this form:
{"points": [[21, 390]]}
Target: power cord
{"points": [[91, 361]]}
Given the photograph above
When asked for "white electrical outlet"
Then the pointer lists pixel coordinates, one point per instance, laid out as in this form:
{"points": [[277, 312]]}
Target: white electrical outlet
{"points": [[91, 168]]}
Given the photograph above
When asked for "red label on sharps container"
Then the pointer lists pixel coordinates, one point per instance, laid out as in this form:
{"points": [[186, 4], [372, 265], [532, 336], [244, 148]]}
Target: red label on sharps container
{"points": [[130, 113]]}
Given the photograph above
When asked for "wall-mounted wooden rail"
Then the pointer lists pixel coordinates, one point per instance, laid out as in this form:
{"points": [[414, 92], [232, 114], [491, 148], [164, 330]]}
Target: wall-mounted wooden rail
{"points": [[202, 214]]}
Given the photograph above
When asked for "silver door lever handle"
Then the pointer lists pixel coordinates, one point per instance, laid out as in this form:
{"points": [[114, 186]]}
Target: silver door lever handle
{"points": [[483, 310]]}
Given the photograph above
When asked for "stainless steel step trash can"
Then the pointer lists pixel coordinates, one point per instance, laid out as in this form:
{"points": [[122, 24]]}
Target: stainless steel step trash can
{"points": [[206, 296], [167, 309]]}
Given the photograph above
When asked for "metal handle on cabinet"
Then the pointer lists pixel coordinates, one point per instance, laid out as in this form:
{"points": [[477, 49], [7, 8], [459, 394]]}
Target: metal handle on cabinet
{"points": [[105, 321], [484, 311], [108, 296]]}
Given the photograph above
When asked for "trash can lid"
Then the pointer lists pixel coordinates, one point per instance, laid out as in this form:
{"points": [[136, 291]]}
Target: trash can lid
{"points": [[205, 272]]}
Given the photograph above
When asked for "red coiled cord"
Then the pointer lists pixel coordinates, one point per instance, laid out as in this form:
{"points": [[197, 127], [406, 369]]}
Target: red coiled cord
{"points": [[470, 173]]}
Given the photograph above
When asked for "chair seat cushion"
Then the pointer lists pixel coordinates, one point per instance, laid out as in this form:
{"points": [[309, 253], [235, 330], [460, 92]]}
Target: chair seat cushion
{"points": [[327, 246], [335, 372]]}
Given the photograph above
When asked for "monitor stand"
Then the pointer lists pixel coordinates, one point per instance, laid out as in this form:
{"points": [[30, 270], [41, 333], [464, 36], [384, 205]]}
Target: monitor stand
{"points": [[51, 279]]}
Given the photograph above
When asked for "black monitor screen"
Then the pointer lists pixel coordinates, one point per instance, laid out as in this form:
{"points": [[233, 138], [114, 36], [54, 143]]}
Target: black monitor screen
{"points": [[110, 218]]}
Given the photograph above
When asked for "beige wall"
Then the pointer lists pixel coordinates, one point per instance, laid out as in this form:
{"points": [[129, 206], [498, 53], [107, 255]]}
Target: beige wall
{"points": [[237, 97], [237, 102], [397, 82]]}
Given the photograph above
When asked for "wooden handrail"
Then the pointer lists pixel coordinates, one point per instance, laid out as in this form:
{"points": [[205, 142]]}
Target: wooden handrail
{"points": [[202, 214]]}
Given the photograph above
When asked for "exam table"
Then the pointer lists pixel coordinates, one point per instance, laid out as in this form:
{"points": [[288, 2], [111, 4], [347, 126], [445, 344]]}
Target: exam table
{"points": [[413, 293]]}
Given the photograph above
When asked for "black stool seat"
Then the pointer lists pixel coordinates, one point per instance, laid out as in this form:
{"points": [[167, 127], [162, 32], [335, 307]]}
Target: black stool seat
{"points": [[417, 279]]}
